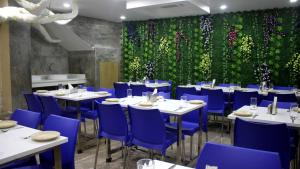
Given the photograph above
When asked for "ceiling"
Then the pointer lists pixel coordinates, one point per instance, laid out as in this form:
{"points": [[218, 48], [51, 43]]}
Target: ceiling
{"points": [[111, 10]]}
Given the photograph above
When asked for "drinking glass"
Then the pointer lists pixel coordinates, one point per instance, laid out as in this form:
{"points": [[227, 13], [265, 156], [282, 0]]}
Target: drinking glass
{"points": [[145, 95], [60, 86], [129, 92], [188, 82], [293, 112], [145, 164], [253, 103], [183, 100], [156, 81]]}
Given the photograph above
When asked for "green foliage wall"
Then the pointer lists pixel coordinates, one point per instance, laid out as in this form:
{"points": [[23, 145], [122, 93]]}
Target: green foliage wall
{"points": [[226, 47]]}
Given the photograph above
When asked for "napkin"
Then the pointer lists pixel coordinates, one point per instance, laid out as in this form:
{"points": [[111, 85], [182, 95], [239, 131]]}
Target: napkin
{"points": [[213, 83], [211, 167], [154, 92], [70, 86], [274, 105]]}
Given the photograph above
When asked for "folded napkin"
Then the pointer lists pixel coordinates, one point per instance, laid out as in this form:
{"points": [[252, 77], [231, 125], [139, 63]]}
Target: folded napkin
{"points": [[70, 86], [243, 113], [154, 92]]}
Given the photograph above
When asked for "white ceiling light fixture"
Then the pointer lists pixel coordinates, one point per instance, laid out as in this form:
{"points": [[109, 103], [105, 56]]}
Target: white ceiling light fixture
{"points": [[223, 7], [293, 1], [122, 17], [66, 5]]}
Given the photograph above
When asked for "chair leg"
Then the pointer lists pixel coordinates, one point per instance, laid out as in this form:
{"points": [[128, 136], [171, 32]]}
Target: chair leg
{"points": [[183, 150], [191, 148], [84, 125], [97, 151], [222, 128], [95, 128], [125, 157], [206, 136]]}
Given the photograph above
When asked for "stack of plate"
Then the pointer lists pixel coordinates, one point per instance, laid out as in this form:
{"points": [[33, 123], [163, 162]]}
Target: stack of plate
{"points": [[4, 124], [45, 136]]}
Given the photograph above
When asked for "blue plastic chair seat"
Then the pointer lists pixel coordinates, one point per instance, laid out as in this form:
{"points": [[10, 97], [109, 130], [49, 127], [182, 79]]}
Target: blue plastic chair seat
{"points": [[90, 114], [188, 128], [171, 138]]}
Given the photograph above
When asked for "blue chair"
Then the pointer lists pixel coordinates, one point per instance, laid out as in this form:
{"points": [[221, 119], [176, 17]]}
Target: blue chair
{"points": [[147, 135], [231, 157], [50, 106], [138, 89], [227, 84], [185, 90], [67, 128], [90, 88], [283, 88], [203, 83], [266, 137], [253, 86], [282, 97], [241, 98], [216, 103], [282, 105], [121, 89], [113, 126], [33, 102], [26, 118], [190, 121]]}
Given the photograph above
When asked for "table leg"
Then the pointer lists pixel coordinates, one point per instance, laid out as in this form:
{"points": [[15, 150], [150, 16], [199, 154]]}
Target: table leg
{"points": [[79, 148], [57, 158], [179, 140], [108, 151], [200, 131]]}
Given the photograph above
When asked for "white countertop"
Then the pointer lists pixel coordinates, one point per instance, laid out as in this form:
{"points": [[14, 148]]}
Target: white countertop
{"points": [[80, 96], [13, 146]]}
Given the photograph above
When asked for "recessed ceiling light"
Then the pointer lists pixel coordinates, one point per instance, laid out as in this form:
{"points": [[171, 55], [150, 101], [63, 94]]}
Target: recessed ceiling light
{"points": [[122, 17], [223, 7], [67, 5], [293, 1]]}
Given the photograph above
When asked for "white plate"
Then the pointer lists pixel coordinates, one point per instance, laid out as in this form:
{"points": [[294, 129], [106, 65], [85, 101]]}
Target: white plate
{"points": [[146, 104], [196, 101], [42, 91], [112, 100], [7, 124], [102, 92], [45, 136]]}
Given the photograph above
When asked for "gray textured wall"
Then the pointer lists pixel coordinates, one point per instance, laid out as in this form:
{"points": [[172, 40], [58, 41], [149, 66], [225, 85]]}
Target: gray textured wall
{"points": [[20, 50], [105, 36], [47, 58]]}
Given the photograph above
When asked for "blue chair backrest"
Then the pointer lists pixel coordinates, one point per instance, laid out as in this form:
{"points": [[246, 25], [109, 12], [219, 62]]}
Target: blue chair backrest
{"points": [[50, 106], [90, 89], [194, 115], [241, 98], [253, 86], [121, 89], [203, 83], [227, 84], [33, 102], [137, 90], [282, 97], [67, 128], [109, 90], [282, 105], [112, 120], [26, 118], [231, 157], [147, 126], [216, 99], [166, 95], [267, 137], [184, 90], [283, 88]]}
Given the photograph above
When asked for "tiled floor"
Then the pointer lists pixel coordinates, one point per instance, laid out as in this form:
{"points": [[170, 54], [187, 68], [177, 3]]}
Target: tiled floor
{"points": [[86, 159]]}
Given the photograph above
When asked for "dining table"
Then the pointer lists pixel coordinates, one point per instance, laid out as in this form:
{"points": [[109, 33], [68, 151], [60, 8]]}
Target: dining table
{"points": [[261, 115], [16, 143], [166, 165], [75, 96], [172, 107]]}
